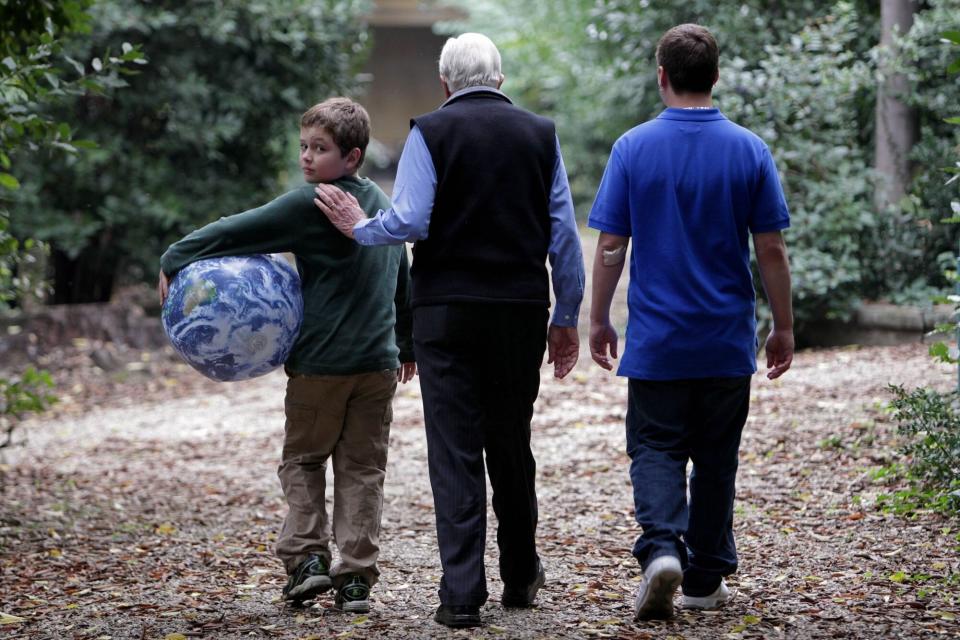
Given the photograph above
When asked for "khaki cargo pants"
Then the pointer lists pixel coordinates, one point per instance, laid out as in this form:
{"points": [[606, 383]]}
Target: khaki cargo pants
{"points": [[346, 418]]}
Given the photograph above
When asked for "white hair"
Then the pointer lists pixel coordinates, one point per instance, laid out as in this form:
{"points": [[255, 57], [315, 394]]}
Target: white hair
{"points": [[470, 60]]}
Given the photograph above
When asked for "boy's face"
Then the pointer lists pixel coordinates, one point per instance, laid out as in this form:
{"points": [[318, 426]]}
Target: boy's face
{"points": [[320, 157]]}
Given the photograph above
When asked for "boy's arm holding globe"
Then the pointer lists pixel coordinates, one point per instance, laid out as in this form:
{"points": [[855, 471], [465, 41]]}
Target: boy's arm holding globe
{"points": [[275, 227]]}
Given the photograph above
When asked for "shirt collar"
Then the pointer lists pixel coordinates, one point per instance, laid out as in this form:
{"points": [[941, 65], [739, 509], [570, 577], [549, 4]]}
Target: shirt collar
{"points": [[673, 113], [478, 89]]}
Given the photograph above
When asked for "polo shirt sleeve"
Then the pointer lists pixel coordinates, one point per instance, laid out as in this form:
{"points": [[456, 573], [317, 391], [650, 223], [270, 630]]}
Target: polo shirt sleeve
{"points": [[611, 208], [770, 211]]}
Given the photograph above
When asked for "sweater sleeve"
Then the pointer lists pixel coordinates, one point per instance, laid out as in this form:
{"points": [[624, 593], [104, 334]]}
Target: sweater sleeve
{"points": [[271, 228]]}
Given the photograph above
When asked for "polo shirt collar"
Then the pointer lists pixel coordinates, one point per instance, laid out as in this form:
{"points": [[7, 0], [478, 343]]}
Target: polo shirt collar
{"points": [[694, 115]]}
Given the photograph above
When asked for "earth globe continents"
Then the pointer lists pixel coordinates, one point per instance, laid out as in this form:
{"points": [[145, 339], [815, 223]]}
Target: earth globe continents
{"points": [[234, 318]]}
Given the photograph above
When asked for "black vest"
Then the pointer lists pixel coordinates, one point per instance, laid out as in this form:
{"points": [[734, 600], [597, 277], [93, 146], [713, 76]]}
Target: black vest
{"points": [[490, 226]]}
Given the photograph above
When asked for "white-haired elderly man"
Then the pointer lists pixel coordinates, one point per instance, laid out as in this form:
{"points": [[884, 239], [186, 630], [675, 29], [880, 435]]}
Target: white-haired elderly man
{"points": [[482, 191]]}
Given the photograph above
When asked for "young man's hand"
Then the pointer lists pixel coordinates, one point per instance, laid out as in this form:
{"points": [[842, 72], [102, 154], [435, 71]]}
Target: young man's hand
{"points": [[163, 287], [779, 350], [406, 371], [341, 208], [563, 349], [602, 337]]}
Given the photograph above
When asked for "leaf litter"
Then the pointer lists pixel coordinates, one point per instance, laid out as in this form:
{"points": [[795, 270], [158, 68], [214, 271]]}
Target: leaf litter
{"points": [[146, 505]]}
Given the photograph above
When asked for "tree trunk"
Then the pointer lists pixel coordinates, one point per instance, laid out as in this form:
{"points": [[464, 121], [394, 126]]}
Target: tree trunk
{"points": [[897, 129]]}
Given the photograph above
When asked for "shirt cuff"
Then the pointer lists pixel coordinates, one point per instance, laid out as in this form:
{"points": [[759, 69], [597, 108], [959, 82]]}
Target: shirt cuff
{"points": [[565, 315], [361, 234]]}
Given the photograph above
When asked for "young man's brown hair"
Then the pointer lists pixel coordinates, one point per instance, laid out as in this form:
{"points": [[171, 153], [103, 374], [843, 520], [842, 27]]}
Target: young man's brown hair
{"points": [[691, 58], [347, 122]]}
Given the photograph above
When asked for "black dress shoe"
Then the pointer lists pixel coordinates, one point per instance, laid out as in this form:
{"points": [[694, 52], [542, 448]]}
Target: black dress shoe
{"points": [[457, 616], [524, 596]]}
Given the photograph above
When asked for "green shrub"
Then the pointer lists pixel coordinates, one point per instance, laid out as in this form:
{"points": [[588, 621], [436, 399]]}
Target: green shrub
{"points": [[36, 75], [929, 421], [22, 394]]}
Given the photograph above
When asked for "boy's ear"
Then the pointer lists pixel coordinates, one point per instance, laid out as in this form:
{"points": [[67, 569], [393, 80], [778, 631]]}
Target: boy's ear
{"points": [[353, 159]]}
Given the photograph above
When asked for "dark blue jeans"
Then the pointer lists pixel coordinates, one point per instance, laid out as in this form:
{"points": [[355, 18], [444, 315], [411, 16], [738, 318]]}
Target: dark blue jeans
{"points": [[668, 423]]}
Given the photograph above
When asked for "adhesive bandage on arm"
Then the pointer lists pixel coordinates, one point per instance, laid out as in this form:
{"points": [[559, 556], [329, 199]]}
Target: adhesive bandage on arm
{"points": [[614, 256]]}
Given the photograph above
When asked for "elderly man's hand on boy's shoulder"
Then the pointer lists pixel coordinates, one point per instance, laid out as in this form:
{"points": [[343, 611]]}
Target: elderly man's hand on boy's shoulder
{"points": [[341, 208]]}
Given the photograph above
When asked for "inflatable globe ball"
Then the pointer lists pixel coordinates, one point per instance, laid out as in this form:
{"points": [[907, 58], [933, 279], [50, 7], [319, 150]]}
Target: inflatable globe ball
{"points": [[234, 318]]}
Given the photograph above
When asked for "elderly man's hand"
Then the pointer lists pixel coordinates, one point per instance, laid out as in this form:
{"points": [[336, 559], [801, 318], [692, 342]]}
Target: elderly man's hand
{"points": [[563, 349], [341, 208]]}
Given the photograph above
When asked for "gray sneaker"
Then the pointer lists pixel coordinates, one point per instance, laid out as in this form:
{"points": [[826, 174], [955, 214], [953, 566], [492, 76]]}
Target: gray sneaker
{"points": [[707, 603], [655, 595], [309, 579]]}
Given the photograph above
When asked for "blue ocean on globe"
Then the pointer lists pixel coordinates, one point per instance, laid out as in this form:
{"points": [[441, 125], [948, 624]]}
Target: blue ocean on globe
{"points": [[234, 318]]}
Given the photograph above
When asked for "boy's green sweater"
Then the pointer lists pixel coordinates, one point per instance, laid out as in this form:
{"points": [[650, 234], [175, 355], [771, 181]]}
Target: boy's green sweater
{"points": [[355, 299]]}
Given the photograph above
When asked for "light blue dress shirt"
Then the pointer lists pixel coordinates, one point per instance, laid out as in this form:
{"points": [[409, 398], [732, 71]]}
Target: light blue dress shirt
{"points": [[408, 220]]}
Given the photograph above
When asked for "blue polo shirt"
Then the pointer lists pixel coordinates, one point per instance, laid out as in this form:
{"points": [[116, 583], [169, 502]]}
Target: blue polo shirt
{"points": [[688, 188]]}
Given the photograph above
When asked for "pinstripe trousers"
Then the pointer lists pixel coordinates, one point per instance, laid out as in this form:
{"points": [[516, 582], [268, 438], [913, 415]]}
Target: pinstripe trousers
{"points": [[479, 375]]}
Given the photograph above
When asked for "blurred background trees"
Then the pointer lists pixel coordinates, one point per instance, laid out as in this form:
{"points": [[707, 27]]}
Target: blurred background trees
{"points": [[36, 76], [202, 131], [851, 96], [32, 82], [803, 74]]}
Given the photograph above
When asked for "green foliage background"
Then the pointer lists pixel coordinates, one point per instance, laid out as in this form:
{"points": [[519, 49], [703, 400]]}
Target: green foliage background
{"points": [[30, 82], [803, 75], [201, 131]]}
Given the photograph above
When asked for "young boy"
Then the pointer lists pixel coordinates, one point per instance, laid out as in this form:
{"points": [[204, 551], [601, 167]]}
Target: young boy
{"points": [[344, 367]]}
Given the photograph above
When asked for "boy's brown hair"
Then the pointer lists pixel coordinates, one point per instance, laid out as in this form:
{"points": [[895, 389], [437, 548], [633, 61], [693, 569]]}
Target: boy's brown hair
{"points": [[346, 121], [691, 58]]}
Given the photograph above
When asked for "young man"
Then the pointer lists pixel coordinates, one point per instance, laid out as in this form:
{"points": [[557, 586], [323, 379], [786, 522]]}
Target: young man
{"points": [[344, 367], [688, 188], [482, 190]]}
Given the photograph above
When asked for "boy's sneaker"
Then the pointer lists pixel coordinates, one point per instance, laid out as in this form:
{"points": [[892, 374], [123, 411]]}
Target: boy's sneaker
{"points": [[353, 595], [310, 578], [713, 601], [655, 595]]}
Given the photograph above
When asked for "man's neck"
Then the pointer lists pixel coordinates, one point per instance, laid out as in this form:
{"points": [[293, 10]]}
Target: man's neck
{"points": [[688, 100]]}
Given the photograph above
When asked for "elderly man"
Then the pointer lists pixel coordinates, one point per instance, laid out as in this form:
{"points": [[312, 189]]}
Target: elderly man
{"points": [[482, 189]]}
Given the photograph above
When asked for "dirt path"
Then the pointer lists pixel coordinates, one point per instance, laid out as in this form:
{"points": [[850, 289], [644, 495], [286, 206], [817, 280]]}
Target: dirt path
{"points": [[155, 514]]}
